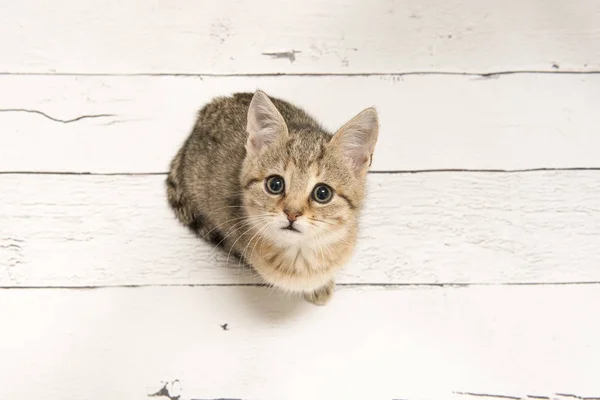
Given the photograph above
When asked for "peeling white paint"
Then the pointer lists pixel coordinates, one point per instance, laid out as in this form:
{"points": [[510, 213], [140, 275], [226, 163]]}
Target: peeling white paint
{"points": [[427, 121], [229, 36], [465, 286]]}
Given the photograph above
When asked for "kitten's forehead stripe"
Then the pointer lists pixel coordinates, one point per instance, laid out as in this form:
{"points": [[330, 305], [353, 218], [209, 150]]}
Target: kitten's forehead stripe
{"points": [[321, 153], [289, 164], [319, 161], [305, 147]]}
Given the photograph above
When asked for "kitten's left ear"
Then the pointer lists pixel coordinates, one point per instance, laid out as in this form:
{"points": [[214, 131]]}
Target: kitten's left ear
{"points": [[357, 138], [265, 124]]}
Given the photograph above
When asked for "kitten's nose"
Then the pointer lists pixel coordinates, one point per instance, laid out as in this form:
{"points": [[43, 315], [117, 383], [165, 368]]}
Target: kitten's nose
{"points": [[292, 215]]}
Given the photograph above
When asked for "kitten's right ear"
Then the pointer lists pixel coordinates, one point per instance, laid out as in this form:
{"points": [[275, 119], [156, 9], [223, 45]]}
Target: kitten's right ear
{"points": [[265, 124]]}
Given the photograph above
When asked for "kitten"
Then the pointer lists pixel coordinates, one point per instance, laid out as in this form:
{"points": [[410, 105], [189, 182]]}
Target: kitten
{"points": [[263, 179]]}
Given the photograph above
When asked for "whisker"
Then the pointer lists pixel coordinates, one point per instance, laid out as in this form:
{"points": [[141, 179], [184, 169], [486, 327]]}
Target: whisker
{"points": [[259, 231], [258, 234], [233, 219], [233, 245], [252, 252], [323, 221], [339, 236], [319, 247], [228, 234]]}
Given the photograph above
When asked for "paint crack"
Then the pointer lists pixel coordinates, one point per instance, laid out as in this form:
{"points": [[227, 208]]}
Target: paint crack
{"points": [[165, 392], [532, 397], [64, 121], [290, 55]]}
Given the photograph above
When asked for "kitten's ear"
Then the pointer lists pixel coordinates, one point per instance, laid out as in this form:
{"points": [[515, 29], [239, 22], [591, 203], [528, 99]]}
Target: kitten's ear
{"points": [[356, 139], [265, 124]]}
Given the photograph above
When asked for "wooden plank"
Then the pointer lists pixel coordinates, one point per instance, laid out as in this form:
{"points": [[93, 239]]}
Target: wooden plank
{"points": [[368, 343], [136, 124], [216, 36], [451, 228]]}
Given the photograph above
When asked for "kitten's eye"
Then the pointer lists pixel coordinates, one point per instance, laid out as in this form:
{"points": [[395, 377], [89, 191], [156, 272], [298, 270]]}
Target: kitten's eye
{"points": [[275, 184], [322, 193]]}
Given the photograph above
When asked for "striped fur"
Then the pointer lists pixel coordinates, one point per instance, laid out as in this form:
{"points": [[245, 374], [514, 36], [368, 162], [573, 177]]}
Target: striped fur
{"points": [[216, 187]]}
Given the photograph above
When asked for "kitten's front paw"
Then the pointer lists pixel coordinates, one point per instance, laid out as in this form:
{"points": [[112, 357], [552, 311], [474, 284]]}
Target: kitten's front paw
{"points": [[322, 295]]}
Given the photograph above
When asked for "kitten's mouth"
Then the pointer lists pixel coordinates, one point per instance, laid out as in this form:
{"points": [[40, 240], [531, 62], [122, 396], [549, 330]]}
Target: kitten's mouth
{"points": [[291, 228]]}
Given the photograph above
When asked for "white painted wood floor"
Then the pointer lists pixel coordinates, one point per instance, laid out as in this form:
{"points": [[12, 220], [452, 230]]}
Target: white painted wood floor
{"points": [[478, 270]]}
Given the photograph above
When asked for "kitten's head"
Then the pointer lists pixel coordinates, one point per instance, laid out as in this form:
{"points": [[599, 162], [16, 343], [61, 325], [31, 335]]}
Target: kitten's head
{"points": [[303, 186]]}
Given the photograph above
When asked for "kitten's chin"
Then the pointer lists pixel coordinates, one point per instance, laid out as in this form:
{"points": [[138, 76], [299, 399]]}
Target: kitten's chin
{"points": [[291, 228], [284, 236], [303, 237], [288, 236]]}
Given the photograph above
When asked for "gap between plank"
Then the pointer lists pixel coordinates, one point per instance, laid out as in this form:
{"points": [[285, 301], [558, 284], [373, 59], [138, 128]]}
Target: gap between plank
{"points": [[532, 397], [345, 285], [415, 171], [200, 75]]}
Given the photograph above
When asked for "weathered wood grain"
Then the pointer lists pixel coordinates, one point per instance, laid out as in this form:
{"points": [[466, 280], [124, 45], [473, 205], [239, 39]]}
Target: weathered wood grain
{"points": [[434, 228], [83, 89], [136, 124], [368, 343], [218, 36]]}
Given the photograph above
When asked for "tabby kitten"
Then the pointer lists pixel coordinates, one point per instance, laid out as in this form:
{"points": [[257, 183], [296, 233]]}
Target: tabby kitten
{"points": [[263, 179]]}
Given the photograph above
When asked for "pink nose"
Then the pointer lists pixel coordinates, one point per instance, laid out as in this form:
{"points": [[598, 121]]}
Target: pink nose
{"points": [[292, 215]]}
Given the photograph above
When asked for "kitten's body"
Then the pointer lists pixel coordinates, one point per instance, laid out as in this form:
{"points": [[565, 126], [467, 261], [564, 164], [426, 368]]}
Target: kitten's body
{"points": [[216, 186]]}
